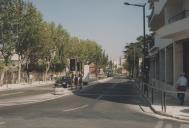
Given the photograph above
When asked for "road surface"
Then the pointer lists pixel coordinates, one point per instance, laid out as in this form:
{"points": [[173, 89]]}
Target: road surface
{"points": [[114, 104]]}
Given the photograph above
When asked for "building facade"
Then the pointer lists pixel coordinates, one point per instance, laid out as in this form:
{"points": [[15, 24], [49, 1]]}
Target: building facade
{"points": [[169, 50]]}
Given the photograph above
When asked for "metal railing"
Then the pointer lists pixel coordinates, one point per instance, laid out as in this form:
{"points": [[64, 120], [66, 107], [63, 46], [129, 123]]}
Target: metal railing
{"points": [[179, 16], [150, 16], [149, 92]]}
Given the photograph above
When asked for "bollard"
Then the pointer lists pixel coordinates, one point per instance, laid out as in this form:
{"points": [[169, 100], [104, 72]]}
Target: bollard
{"points": [[164, 99], [152, 93], [147, 91]]}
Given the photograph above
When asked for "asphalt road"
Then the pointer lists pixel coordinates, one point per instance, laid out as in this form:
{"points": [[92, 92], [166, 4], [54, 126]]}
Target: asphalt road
{"points": [[114, 104]]}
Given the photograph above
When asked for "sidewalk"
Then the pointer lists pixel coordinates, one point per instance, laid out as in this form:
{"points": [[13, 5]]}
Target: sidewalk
{"points": [[24, 85], [173, 108]]}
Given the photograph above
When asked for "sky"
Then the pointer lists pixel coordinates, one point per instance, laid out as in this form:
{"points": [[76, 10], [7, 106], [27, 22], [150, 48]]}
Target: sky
{"points": [[110, 23]]}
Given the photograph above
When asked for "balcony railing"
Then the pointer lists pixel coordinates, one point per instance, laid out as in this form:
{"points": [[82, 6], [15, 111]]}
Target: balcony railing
{"points": [[179, 16], [150, 16]]}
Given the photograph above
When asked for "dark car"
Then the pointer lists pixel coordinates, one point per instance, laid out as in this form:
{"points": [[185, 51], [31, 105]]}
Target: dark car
{"points": [[63, 82]]}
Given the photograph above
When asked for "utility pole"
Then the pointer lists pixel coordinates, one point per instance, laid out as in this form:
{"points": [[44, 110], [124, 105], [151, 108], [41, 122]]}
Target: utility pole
{"points": [[134, 71], [96, 63], [145, 49]]}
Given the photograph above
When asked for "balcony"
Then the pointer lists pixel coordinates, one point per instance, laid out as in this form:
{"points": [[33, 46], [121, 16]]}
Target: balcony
{"points": [[156, 18], [150, 16], [177, 29], [179, 16], [153, 46]]}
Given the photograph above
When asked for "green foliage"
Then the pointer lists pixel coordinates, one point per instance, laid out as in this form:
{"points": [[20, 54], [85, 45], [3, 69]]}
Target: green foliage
{"points": [[41, 46], [132, 53]]}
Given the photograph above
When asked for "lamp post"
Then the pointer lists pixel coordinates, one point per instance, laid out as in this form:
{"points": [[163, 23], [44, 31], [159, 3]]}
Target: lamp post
{"points": [[144, 33], [96, 63]]}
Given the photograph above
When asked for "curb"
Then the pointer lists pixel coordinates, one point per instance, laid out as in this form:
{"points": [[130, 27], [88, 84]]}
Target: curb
{"points": [[163, 113]]}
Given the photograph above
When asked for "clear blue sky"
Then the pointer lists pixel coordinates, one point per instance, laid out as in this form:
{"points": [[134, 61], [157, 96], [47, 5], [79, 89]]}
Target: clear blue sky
{"points": [[108, 22]]}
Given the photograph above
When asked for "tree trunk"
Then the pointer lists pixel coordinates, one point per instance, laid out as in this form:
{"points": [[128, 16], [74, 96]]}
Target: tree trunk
{"points": [[19, 70], [13, 77], [2, 77], [46, 70], [28, 73]]}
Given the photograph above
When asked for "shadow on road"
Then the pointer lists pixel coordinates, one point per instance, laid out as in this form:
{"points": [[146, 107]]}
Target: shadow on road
{"points": [[124, 93]]}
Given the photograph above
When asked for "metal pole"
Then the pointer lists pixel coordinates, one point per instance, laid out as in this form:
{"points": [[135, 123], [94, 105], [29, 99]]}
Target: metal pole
{"points": [[164, 99], [134, 64], [144, 43], [144, 32], [152, 96], [96, 64], [144, 24]]}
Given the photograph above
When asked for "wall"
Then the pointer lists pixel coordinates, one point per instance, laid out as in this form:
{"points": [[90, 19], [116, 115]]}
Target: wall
{"points": [[178, 60], [169, 64], [185, 4], [172, 8], [162, 65]]}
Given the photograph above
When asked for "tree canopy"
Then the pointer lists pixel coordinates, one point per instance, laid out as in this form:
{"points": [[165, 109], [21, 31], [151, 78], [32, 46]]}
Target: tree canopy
{"points": [[40, 45]]}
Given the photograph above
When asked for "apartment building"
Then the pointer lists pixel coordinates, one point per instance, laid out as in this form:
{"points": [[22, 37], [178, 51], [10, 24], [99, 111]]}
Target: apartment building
{"points": [[169, 50]]}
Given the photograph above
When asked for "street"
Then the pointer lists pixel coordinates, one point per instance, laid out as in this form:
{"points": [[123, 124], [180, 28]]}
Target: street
{"points": [[114, 104]]}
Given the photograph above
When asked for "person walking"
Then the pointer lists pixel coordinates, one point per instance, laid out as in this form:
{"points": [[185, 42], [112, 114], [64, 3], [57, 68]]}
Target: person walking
{"points": [[181, 86], [72, 80], [80, 81], [76, 81]]}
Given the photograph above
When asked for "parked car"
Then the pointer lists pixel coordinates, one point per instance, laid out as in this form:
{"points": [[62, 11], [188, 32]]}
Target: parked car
{"points": [[64, 82]]}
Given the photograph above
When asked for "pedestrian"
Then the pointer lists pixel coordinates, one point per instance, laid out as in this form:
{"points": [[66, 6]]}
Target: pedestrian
{"points": [[80, 81], [72, 80], [181, 86], [76, 81]]}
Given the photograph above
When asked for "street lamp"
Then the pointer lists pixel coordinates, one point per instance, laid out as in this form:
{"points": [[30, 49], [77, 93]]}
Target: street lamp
{"points": [[144, 29]]}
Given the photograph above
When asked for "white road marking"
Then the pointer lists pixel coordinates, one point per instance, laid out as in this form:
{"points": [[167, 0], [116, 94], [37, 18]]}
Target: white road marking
{"points": [[72, 109], [14, 93], [159, 124]]}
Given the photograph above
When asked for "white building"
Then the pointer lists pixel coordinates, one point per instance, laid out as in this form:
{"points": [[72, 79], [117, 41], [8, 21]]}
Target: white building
{"points": [[169, 51]]}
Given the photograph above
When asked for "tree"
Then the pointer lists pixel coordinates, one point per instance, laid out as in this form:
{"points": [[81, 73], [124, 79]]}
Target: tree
{"points": [[40, 46], [133, 52], [8, 35], [48, 49], [29, 27], [7, 25]]}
